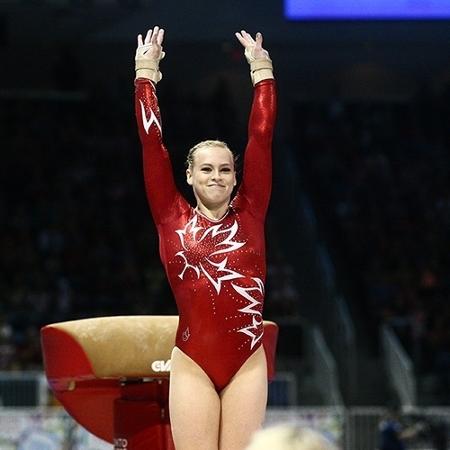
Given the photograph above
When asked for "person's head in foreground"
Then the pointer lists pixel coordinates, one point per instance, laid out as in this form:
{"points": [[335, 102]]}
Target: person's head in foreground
{"points": [[289, 437]]}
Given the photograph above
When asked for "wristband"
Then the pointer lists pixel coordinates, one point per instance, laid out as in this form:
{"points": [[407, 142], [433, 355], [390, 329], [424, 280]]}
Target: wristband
{"points": [[261, 69], [148, 68]]}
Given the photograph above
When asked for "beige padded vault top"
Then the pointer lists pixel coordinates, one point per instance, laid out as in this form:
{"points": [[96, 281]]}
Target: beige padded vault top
{"points": [[124, 346]]}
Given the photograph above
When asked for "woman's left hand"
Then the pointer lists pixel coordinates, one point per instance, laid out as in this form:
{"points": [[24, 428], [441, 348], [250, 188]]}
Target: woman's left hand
{"points": [[253, 47]]}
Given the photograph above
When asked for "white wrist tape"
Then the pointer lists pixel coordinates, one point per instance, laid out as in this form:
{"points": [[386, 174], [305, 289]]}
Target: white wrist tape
{"points": [[261, 69], [146, 67]]}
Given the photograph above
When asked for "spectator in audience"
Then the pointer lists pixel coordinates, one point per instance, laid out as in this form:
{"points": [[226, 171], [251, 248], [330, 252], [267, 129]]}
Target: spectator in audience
{"points": [[392, 434]]}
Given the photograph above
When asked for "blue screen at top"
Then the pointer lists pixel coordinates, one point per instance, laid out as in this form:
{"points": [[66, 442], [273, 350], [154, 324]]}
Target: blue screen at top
{"points": [[366, 9]]}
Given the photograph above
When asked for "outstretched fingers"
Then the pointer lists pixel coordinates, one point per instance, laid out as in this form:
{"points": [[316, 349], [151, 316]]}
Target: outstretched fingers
{"points": [[248, 37], [259, 40], [153, 38], [154, 35], [240, 38], [148, 36], [160, 37], [247, 40]]}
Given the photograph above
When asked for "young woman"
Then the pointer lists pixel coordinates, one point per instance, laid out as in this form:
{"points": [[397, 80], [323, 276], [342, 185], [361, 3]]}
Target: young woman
{"points": [[214, 257]]}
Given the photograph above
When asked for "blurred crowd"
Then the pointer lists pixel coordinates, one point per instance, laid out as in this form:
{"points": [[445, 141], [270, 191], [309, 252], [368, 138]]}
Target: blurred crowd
{"points": [[379, 174], [77, 237]]}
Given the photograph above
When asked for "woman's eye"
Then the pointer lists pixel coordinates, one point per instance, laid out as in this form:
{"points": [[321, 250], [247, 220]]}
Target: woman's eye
{"points": [[226, 170], [206, 169]]}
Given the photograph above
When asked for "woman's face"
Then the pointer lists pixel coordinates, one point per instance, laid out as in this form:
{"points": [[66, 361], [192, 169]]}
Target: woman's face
{"points": [[212, 175]]}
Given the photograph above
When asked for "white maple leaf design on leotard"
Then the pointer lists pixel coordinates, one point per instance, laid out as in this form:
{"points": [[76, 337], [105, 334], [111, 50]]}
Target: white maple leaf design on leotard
{"points": [[254, 308], [200, 244]]}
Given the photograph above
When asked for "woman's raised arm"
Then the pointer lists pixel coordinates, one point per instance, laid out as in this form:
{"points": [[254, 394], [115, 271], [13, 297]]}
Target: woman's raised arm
{"points": [[257, 173], [158, 175]]}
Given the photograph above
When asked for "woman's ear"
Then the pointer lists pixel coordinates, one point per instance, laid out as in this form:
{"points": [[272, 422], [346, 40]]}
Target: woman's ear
{"points": [[189, 176]]}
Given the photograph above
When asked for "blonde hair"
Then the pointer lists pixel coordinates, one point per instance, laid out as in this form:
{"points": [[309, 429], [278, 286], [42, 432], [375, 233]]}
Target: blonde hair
{"points": [[207, 143], [289, 437]]}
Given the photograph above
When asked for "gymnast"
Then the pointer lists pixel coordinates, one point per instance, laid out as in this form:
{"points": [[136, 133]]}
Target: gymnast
{"points": [[214, 258]]}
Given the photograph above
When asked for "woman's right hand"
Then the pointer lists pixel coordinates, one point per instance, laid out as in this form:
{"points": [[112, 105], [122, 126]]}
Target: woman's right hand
{"points": [[151, 47], [148, 54]]}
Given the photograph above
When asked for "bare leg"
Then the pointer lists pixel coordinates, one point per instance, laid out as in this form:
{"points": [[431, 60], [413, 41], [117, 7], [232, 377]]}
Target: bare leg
{"points": [[194, 405], [244, 403]]}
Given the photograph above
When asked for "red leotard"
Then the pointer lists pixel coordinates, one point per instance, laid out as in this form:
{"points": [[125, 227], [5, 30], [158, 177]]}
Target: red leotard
{"points": [[216, 268]]}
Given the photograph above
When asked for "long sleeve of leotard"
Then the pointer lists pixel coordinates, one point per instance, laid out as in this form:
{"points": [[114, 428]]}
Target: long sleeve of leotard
{"points": [[158, 175], [257, 172]]}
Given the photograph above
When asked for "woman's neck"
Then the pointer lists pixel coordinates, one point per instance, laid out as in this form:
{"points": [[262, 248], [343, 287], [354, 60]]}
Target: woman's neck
{"points": [[212, 212]]}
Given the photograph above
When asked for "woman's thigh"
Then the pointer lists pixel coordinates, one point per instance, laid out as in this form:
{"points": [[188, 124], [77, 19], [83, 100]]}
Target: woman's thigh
{"points": [[244, 403], [194, 405]]}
